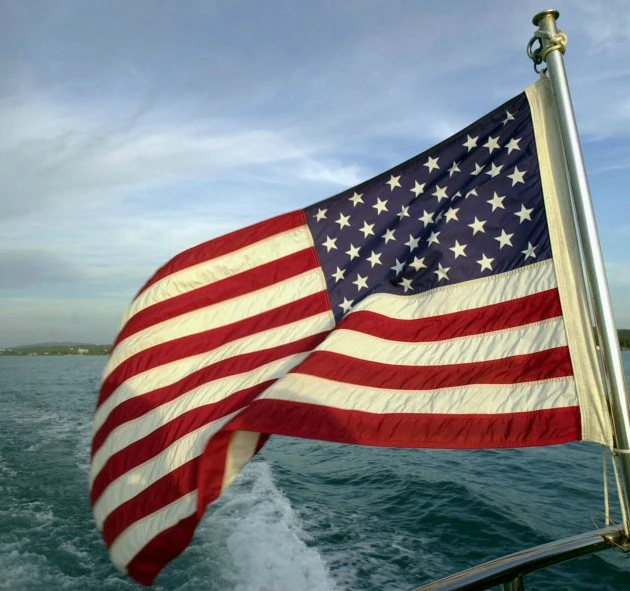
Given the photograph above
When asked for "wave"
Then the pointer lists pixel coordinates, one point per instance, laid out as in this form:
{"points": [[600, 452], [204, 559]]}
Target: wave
{"points": [[261, 539]]}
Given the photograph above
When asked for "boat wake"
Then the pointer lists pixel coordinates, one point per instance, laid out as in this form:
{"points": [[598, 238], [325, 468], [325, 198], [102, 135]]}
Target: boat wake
{"points": [[263, 544]]}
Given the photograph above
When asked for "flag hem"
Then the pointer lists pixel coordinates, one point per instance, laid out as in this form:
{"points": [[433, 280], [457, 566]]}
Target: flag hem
{"points": [[595, 416]]}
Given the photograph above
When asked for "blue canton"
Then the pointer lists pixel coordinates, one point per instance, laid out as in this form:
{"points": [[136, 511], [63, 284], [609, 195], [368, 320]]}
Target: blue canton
{"points": [[465, 209]]}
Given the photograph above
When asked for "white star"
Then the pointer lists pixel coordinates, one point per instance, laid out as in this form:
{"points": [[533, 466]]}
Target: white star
{"points": [[440, 193], [393, 182], [485, 262], [389, 235], [477, 226], [508, 117], [426, 218], [470, 143], [504, 239], [404, 212], [344, 220], [418, 264], [453, 169], [495, 170], [477, 170], [517, 176], [406, 284], [330, 243], [458, 249], [418, 188], [496, 201], [320, 215], [529, 251], [380, 206], [338, 275], [360, 282], [375, 259], [451, 214], [524, 214], [492, 144], [356, 198], [412, 243], [398, 267], [346, 305], [353, 253], [432, 163], [368, 229], [433, 238], [513, 144], [442, 272], [471, 192]]}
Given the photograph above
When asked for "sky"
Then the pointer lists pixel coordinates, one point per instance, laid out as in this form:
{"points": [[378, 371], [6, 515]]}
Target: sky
{"points": [[130, 131]]}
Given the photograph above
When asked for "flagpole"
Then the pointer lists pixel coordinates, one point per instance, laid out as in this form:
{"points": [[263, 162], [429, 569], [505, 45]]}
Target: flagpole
{"points": [[551, 51]]}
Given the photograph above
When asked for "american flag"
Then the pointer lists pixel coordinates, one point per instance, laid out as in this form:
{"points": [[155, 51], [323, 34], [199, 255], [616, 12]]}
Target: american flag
{"points": [[418, 309]]}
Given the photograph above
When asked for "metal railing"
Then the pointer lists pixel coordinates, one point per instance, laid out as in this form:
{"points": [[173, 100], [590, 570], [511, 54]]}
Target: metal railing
{"points": [[510, 570]]}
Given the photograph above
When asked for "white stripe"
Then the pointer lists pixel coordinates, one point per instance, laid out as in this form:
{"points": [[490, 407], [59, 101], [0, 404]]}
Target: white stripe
{"points": [[219, 315], [215, 391], [138, 535], [473, 294], [141, 477], [169, 373], [216, 269], [521, 340], [472, 399]]}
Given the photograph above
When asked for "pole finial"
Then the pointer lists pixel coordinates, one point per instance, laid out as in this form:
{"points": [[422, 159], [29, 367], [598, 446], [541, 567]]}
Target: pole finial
{"points": [[550, 11]]}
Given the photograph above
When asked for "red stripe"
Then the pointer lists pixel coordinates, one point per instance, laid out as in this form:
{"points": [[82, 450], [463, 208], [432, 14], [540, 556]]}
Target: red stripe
{"points": [[164, 547], [174, 485], [203, 342], [137, 406], [204, 472], [227, 243], [144, 449], [513, 313], [218, 291], [147, 564], [553, 363], [526, 429]]}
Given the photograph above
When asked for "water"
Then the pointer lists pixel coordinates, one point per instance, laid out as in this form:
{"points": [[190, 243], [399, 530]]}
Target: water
{"points": [[305, 515]]}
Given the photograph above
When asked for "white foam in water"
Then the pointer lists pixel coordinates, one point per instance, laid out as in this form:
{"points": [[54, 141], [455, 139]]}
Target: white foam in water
{"points": [[264, 539]]}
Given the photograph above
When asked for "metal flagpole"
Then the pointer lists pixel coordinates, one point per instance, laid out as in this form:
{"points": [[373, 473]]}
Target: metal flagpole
{"points": [[552, 48]]}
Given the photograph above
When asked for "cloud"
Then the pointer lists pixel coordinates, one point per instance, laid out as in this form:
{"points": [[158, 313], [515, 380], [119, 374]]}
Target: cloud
{"points": [[34, 319], [606, 24], [51, 156], [618, 273], [162, 133], [26, 268]]}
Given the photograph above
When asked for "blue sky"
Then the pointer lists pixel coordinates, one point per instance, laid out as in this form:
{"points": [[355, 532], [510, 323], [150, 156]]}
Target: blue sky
{"points": [[134, 130]]}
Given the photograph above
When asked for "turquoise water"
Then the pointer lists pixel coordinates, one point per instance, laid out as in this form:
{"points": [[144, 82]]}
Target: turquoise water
{"points": [[305, 515]]}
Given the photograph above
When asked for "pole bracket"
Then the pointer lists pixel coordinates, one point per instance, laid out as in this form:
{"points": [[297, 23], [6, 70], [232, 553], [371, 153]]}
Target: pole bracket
{"points": [[547, 42]]}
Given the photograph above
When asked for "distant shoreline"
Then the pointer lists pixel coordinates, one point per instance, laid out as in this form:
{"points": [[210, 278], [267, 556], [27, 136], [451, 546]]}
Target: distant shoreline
{"points": [[55, 350]]}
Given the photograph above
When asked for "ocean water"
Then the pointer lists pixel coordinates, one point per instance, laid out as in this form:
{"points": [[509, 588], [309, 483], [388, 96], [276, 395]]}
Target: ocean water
{"points": [[304, 515]]}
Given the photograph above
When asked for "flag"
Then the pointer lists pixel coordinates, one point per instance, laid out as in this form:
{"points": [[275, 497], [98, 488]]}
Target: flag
{"points": [[439, 304]]}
